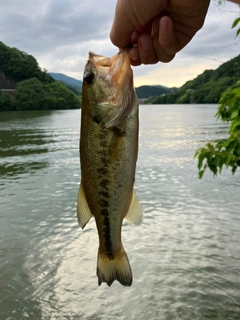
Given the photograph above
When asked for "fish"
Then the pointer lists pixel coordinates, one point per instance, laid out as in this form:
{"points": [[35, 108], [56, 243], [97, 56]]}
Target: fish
{"points": [[108, 157]]}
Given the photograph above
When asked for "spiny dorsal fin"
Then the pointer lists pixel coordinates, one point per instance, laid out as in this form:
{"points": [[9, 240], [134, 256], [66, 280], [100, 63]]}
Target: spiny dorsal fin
{"points": [[83, 211], [134, 214]]}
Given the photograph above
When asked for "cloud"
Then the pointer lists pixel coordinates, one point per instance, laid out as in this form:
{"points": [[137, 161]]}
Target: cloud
{"points": [[55, 23], [59, 35]]}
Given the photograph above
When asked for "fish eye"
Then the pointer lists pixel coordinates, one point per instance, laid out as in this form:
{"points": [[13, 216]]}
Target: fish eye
{"points": [[89, 77]]}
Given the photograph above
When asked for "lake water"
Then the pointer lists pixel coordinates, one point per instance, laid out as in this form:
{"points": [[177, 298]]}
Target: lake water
{"points": [[185, 257]]}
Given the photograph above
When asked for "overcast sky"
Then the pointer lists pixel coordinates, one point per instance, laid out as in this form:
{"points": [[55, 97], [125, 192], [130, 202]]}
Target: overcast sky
{"points": [[59, 34]]}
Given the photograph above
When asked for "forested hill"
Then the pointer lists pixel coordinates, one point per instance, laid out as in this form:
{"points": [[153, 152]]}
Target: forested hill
{"points": [[68, 80], [32, 88], [207, 87], [72, 84], [144, 92]]}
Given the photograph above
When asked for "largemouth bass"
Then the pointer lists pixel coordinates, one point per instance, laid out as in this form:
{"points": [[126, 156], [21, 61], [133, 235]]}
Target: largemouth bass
{"points": [[108, 155]]}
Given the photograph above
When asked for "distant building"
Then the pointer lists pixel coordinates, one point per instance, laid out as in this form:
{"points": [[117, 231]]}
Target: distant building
{"points": [[142, 100]]}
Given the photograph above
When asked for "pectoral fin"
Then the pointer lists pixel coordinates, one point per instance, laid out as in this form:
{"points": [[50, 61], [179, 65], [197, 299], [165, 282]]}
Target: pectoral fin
{"points": [[83, 211], [134, 214]]}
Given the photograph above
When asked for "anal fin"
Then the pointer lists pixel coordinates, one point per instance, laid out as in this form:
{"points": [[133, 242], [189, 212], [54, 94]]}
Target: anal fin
{"points": [[134, 214]]}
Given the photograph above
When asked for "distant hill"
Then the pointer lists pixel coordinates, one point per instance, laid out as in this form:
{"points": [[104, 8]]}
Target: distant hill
{"points": [[143, 92], [146, 92], [207, 87], [68, 80]]}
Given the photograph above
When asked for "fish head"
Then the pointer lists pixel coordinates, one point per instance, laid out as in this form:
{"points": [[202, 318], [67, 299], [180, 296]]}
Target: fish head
{"points": [[108, 90]]}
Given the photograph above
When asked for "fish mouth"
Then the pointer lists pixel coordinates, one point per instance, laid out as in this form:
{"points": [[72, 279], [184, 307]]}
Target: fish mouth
{"points": [[115, 78], [116, 69], [122, 72]]}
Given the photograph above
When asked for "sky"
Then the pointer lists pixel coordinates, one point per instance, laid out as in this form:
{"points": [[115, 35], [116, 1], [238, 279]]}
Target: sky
{"points": [[60, 33]]}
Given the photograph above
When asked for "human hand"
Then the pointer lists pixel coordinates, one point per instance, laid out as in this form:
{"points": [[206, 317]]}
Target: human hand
{"points": [[157, 29]]}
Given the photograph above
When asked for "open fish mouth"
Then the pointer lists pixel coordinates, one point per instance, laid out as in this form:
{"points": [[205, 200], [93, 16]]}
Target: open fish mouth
{"points": [[116, 68], [109, 84]]}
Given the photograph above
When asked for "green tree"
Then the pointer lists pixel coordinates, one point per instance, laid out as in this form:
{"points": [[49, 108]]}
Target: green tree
{"points": [[18, 65], [6, 101], [61, 97], [35, 88], [216, 154], [32, 94], [29, 94]]}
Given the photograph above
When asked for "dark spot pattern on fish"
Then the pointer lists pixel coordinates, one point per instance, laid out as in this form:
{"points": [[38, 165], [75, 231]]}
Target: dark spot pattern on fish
{"points": [[104, 161], [107, 238], [104, 212], [104, 194], [102, 171], [104, 183], [104, 203]]}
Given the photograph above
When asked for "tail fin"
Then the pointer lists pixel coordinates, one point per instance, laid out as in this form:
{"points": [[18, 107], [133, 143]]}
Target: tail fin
{"points": [[114, 266]]}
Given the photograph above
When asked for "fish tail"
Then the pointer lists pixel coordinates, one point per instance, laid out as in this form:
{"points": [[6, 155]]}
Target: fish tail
{"points": [[114, 266]]}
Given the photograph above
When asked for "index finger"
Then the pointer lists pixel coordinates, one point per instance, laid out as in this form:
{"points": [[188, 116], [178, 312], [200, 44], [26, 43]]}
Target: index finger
{"points": [[122, 27]]}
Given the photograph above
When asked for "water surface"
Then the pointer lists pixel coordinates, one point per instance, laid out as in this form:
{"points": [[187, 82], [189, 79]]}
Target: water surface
{"points": [[185, 257]]}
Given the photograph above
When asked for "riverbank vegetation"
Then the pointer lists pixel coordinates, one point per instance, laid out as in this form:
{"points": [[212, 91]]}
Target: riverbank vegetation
{"points": [[31, 88], [224, 152]]}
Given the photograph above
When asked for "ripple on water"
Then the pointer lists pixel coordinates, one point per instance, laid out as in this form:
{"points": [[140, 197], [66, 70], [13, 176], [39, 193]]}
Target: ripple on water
{"points": [[185, 256]]}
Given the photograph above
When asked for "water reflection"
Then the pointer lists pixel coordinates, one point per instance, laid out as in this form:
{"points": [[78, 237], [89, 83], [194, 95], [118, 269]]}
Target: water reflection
{"points": [[19, 151], [21, 143], [17, 118], [13, 170], [185, 256], [27, 139]]}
